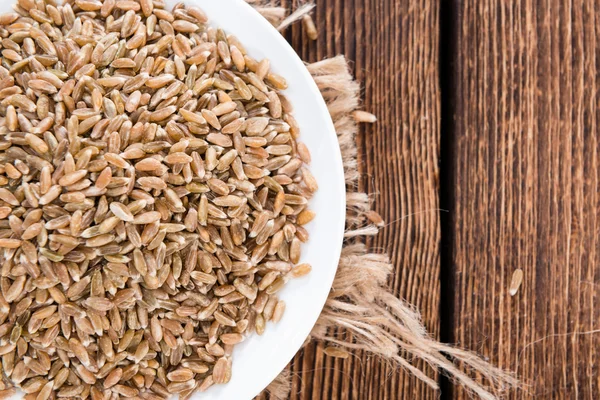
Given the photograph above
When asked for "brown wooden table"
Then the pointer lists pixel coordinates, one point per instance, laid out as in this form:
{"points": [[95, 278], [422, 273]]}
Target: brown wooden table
{"points": [[488, 110]]}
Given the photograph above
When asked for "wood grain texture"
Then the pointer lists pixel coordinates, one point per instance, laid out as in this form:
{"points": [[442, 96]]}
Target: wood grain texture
{"points": [[526, 190], [393, 46]]}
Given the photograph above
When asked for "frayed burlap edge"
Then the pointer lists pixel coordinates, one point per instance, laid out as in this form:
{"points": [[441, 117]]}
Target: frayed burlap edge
{"points": [[359, 301]]}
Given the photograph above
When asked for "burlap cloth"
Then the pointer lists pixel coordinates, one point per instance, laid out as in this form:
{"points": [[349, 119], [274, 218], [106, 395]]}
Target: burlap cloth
{"points": [[359, 301]]}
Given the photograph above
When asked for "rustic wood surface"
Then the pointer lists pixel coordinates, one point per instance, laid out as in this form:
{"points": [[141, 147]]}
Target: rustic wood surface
{"points": [[524, 192], [393, 47], [510, 89]]}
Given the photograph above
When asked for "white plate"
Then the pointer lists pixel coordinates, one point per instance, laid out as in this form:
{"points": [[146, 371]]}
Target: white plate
{"points": [[260, 359]]}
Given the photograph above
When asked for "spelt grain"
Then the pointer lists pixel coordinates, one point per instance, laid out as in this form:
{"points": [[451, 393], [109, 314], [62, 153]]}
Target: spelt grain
{"points": [[153, 202], [336, 352], [516, 281], [364, 117]]}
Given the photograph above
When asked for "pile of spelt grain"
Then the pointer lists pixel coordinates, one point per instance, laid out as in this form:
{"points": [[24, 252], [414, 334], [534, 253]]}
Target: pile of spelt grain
{"points": [[152, 199]]}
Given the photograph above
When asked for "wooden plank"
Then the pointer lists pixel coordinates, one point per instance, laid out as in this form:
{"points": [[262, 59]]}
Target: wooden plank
{"points": [[525, 190], [393, 46]]}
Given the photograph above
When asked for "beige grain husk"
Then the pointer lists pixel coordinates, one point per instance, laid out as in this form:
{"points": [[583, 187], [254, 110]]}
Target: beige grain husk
{"points": [[360, 301]]}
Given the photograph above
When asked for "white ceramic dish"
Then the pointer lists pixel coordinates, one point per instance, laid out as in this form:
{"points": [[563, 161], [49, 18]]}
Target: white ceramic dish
{"points": [[260, 359]]}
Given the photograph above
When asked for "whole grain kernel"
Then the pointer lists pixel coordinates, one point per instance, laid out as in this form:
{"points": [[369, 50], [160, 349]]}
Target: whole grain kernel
{"points": [[152, 199]]}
